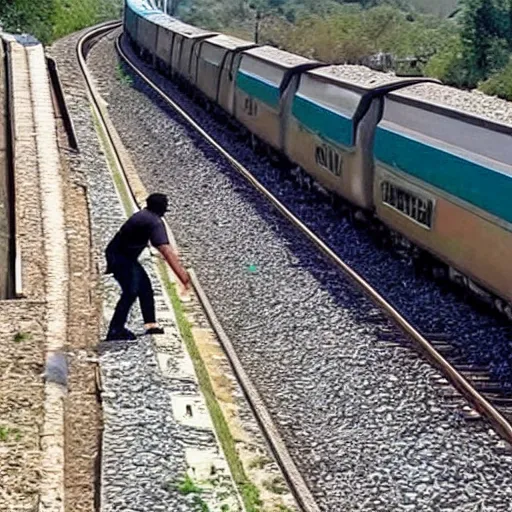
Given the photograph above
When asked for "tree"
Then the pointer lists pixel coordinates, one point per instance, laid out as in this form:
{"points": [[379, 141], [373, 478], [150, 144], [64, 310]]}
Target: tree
{"points": [[486, 37]]}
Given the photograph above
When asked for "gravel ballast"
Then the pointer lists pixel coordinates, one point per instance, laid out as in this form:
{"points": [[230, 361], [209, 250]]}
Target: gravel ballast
{"points": [[145, 443], [363, 420]]}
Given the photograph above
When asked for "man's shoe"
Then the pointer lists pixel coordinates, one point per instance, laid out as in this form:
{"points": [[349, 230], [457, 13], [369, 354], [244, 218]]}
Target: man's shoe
{"points": [[155, 330], [121, 335]]}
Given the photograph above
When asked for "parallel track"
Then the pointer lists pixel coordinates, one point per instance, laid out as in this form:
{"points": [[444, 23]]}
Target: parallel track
{"points": [[419, 341]]}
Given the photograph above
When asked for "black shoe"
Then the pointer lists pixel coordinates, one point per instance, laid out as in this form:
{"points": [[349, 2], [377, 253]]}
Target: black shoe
{"points": [[155, 330], [120, 335]]}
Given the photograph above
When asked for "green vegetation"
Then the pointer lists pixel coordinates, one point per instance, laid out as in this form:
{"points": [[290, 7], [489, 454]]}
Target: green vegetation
{"points": [[123, 76], [276, 485], [48, 20], [259, 462], [499, 84], [187, 486], [7, 433], [21, 336]]}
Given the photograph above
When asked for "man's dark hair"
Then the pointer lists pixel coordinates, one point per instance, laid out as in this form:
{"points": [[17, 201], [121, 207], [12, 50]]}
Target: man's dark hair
{"points": [[157, 203]]}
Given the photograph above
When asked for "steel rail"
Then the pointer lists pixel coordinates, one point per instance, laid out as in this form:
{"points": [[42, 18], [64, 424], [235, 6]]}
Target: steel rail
{"points": [[479, 403], [292, 475]]}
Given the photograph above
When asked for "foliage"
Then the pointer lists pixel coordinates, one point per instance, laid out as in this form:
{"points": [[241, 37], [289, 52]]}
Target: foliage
{"points": [[486, 37], [441, 8], [188, 486], [353, 33], [499, 84], [48, 20], [449, 64], [21, 336]]}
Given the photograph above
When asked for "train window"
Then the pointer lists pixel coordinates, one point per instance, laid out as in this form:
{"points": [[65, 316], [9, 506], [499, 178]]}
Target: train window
{"points": [[409, 204]]}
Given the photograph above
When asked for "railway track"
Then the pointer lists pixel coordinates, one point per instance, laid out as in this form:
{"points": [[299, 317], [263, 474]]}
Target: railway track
{"points": [[484, 396]]}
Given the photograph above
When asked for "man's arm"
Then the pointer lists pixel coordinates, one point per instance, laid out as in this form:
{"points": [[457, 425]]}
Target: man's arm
{"points": [[173, 261]]}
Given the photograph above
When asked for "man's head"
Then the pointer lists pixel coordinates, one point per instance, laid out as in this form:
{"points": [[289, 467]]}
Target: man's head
{"points": [[157, 203]]}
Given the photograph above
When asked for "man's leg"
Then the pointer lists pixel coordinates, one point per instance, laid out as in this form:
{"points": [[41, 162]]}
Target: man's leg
{"points": [[146, 298], [128, 278]]}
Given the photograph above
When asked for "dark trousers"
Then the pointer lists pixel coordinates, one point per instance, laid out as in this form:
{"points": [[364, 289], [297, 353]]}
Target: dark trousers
{"points": [[134, 283]]}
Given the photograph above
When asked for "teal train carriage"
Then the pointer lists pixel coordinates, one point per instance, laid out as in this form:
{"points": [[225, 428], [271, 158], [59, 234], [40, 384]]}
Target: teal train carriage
{"points": [[329, 133], [444, 181], [259, 104]]}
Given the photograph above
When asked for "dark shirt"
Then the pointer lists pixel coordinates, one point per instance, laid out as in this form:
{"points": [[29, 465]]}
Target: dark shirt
{"points": [[141, 228]]}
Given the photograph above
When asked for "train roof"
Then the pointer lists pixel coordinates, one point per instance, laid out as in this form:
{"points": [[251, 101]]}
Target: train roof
{"points": [[363, 80], [471, 106], [165, 20], [277, 57], [229, 42], [175, 25]]}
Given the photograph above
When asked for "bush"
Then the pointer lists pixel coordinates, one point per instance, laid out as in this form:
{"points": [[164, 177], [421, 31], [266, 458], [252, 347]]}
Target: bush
{"points": [[48, 20], [499, 84], [449, 65]]}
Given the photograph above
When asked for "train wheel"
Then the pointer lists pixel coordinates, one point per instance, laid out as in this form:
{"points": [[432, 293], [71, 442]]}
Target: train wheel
{"points": [[508, 311]]}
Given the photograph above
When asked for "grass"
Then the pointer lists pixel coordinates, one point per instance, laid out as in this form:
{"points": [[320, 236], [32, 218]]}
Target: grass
{"points": [[200, 504], [6, 433], [123, 76], [259, 462], [21, 336], [187, 486], [276, 485]]}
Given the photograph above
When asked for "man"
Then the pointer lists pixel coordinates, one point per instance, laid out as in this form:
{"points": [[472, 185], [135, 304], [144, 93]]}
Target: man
{"points": [[122, 254]]}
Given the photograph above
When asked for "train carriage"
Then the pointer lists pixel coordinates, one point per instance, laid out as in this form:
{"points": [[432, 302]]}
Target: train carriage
{"points": [[444, 180], [147, 30], [329, 131], [165, 40], [258, 104], [184, 40], [324, 138], [213, 70], [135, 15]]}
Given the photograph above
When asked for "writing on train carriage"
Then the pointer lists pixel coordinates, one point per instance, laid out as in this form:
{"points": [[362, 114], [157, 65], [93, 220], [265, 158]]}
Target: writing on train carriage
{"points": [[330, 159], [411, 205]]}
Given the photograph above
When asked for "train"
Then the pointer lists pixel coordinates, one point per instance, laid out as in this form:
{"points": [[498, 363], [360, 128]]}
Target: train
{"points": [[438, 179]]}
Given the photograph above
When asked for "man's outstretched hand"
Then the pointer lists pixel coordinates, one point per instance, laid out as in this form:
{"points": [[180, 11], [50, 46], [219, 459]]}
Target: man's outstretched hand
{"points": [[172, 259]]}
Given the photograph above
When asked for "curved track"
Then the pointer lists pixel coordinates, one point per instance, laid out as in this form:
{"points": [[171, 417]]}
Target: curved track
{"points": [[421, 342]]}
